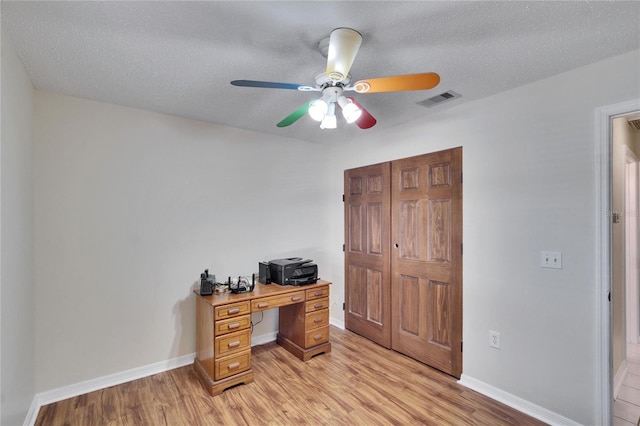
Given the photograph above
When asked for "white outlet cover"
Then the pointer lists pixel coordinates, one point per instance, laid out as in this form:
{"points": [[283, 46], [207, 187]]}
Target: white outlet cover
{"points": [[494, 339]]}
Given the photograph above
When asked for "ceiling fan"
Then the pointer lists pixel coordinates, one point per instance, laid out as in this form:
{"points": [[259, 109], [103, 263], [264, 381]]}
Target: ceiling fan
{"points": [[342, 49]]}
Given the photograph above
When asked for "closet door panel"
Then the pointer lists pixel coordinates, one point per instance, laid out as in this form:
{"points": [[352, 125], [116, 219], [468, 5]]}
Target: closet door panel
{"points": [[409, 298], [367, 248], [426, 261]]}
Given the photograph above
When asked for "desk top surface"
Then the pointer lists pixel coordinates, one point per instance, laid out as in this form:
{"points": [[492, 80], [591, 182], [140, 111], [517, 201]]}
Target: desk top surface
{"points": [[261, 290]]}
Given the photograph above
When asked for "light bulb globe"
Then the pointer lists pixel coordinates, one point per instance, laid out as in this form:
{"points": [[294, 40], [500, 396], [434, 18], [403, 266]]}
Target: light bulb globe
{"points": [[318, 109], [329, 122], [351, 112]]}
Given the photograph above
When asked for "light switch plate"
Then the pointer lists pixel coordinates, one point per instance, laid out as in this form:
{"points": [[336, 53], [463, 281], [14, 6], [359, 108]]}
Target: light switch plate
{"points": [[551, 259]]}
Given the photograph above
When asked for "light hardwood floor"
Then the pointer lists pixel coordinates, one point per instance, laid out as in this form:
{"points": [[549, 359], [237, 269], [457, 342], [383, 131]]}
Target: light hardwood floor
{"points": [[626, 408], [358, 383]]}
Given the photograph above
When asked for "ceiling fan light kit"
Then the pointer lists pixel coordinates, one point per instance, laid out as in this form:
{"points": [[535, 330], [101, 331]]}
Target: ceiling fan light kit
{"points": [[343, 45], [350, 111], [318, 109], [329, 121]]}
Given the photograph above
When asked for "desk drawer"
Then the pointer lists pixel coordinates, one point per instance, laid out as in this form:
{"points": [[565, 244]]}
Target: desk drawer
{"points": [[316, 293], [232, 310], [233, 342], [233, 364], [316, 319], [316, 305], [275, 301], [232, 324], [316, 337]]}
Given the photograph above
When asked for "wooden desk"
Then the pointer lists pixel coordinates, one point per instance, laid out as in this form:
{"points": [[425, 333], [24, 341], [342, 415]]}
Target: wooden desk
{"points": [[223, 329]]}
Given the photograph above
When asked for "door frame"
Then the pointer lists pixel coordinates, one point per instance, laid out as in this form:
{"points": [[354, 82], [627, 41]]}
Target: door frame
{"points": [[631, 239], [603, 132]]}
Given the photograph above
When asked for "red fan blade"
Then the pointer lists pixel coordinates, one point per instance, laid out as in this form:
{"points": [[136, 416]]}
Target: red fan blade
{"points": [[366, 120]]}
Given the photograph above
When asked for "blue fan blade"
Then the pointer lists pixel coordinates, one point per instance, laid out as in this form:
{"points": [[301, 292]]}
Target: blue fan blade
{"points": [[265, 84]]}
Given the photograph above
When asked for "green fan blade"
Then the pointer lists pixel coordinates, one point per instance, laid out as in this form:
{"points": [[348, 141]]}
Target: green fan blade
{"points": [[295, 115]]}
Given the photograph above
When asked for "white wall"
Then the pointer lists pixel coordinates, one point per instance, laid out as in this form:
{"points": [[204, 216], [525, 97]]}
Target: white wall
{"points": [[529, 171], [131, 206], [17, 282]]}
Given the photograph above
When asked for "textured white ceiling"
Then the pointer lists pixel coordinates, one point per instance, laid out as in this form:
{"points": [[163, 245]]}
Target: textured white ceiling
{"points": [[178, 57]]}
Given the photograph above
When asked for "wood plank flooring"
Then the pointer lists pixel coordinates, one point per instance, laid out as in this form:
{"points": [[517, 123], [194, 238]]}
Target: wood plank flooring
{"points": [[358, 383], [626, 408]]}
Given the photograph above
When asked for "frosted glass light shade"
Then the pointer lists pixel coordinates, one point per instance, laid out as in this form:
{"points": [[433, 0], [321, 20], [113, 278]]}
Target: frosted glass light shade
{"points": [[318, 109], [343, 47], [351, 112], [329, 122]]}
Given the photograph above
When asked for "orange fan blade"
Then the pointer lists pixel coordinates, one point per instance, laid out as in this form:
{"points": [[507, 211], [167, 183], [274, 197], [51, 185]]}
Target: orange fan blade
{"points": [[423, 81]]}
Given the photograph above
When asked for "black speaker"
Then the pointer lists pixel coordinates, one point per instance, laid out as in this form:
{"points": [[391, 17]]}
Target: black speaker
{"points": [[264, 275]]}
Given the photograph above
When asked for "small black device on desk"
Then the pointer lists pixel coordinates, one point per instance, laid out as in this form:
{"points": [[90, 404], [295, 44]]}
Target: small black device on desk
{"points": [[293, 271], [242, 285], [207, 283], [264, 275]]}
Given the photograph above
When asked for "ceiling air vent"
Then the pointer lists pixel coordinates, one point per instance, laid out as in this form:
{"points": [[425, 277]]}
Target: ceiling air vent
{"points": [[438, 99], [635, 124]]}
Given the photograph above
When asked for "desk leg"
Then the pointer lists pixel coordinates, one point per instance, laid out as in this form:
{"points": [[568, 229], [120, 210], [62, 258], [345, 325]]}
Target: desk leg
{"points": [[301, 353], [217, 387]]}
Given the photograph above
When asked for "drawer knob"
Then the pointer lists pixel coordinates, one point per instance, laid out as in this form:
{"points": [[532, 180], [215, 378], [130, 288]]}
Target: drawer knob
{"points": [[263, 304], [317, 305], [234, 344], [233, 325], [317, 293], [317, 320], [233, 311], [295, 298], [317, 337], [233, 365]]}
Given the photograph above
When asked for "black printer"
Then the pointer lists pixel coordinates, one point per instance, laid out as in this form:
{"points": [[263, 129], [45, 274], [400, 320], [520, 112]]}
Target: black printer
{"points": [[293, 271]]}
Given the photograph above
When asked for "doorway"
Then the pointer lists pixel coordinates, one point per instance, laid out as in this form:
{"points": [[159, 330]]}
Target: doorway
{"points": [[632, 238], [624, 247], [606, 315]]}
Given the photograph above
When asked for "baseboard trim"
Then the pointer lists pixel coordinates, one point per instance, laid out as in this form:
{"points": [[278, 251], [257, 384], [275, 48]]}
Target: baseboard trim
{"points": [[619, 379], [65, 392], [32, 414], [264, 338], [272, 336], [516, 402], [337, 323], [55, 395]]}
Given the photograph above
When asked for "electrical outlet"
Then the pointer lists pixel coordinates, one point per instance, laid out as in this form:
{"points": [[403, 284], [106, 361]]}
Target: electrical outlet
{"points": [[551, 259], [494, 339]]}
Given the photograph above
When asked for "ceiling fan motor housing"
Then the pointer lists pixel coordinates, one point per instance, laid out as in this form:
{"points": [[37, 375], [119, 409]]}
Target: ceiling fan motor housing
{"points": [[323, 81]]}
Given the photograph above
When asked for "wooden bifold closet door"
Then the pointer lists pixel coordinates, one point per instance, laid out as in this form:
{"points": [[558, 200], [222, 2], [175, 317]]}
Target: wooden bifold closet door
{"points": [[367, 263], [403, 256]]}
